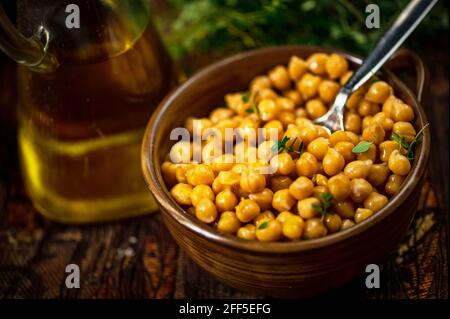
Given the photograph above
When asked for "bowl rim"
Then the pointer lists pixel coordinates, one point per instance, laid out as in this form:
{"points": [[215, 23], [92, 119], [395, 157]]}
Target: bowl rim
{"points": [[170, 208]]}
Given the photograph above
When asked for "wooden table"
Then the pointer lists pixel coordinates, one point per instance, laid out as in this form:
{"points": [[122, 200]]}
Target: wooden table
{"points": [[138, 258]]}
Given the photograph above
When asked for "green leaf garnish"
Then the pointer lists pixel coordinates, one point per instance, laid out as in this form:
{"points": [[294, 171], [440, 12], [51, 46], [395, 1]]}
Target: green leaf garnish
{"points": [[362, 147], [263, 225], [326, 203], [410, 148], [245, 97], [253, 105], [282, 145]]}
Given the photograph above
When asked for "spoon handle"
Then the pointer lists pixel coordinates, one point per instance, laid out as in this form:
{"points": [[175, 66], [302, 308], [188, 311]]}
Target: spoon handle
{"points": [[406, 22]]}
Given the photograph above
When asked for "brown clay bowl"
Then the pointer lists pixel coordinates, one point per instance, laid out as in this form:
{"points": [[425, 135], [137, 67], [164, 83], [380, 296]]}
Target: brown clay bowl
{"points": [[281, 269]]}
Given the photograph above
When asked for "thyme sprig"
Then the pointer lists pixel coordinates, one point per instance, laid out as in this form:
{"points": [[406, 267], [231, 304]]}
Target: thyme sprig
{"points": [[326, 202], [410, 148], [282, 146]]}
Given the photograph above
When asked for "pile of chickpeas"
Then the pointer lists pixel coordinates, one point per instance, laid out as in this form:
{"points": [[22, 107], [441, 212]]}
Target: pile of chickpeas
{"points": [[237, 197]]}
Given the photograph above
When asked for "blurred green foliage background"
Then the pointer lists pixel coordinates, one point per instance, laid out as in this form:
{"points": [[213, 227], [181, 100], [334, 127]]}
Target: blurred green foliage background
{"points": [[192, 27]]}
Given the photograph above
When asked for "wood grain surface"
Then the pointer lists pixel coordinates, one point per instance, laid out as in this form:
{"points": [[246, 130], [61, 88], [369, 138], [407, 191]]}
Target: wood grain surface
{"points": [[138, 259]]}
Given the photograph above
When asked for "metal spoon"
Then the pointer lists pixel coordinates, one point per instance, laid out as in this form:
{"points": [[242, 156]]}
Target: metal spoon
{"points": [[406, 22]]}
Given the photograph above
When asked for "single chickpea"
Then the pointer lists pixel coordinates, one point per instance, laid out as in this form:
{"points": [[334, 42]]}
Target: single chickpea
{"points": [[374, 133], [297, 68], [316, 63], [220, 113], [378, 92], [201, 191], [280, 182], [354, 99], [399, 164], [389, 105], [314, 228], [320, 180], [247, 232], [293, 134], [393, 184], [370, 155], [345, 77], [339, 136], [367, 121], [282, 164], [353, 138], [286, 118], [285, 104], [226, 200], [333, 162], [306, 208], [347, 223], [229, 179], [264, 94], [384, 121], [280, 77], [283, 216], [339, 186], [360, 190], [268, 109], [263, 198], [300, 123], [182, 193], [375, 201], [294, 96], [206, 211], [263, 217], [181, 152], [378, 174], [228, 223], [224, 162], [283, 200], [320, 191], [345, 208], [318, 148], [247, 210], [402, 112], [301, 188], [328, 91], [345, 149], [386, 149], [308, 85], [333, 223], [300, 113], [274, 126], [322, 131], [200, 174], [362, 214], [405, 129], [358, 169], [293, 227], [169, 173], [306, 165], [252, 181], [366, 108], [271, 230], [235, 102], [260, 82], [315, 108], [352, 122], [308, 133], [336, 65]]}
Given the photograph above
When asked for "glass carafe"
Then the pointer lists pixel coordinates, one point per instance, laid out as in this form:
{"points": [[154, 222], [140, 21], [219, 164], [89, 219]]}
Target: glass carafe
{"points": [[90, 74]]}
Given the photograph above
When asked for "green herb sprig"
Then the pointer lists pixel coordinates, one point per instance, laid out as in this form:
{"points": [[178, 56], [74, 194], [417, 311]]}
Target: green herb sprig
{"points": [[410, 148], [362, 147], [253, 105], [282, 146], [326, 203]]}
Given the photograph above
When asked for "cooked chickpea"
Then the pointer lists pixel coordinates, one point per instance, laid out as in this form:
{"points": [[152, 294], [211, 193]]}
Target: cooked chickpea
{"points": [[301, 188], [370, 155], [336, 65], [200, 174], [273, 130], [260, 82], [366, 108], [280, 77], [268, 109], [285, 104], [358, 169], [283, 216], [314, 228], [339, 186], [362, 214], [352, 122], [320, 180], [328, 91], [308, 133], [306, 165], [293, 227], [286, 118], [297, 68], [224, 162], [294, 96], [252, 181], [263, 217], [386, 149], [339, 136], [345, 149], [353, 138], [247, 232], [378, 174], [169, 173], [300, 113], [182, 193], [318, 148], [405, 129], [226, 200], [280, 182], [360, 190], [220, 113], [367, 121], [181, 152], [345, 209], [354, 99], [206, 211], [375, 201], [315, 108], [272, 231], [306, 208], [263, 198], [283, 200], [293, 134], [308, 85], [399, 164], [378, 92], [393, 184], [384, 121], [264, 94], [247, 210], [402, 112], [316, 63], [320, 191], [347, 223], [389, 105], [228, 223], [333, 222], [201, 191], [345, 77], [374, 133], [333, 162], [282, 164], [229, 178]]}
